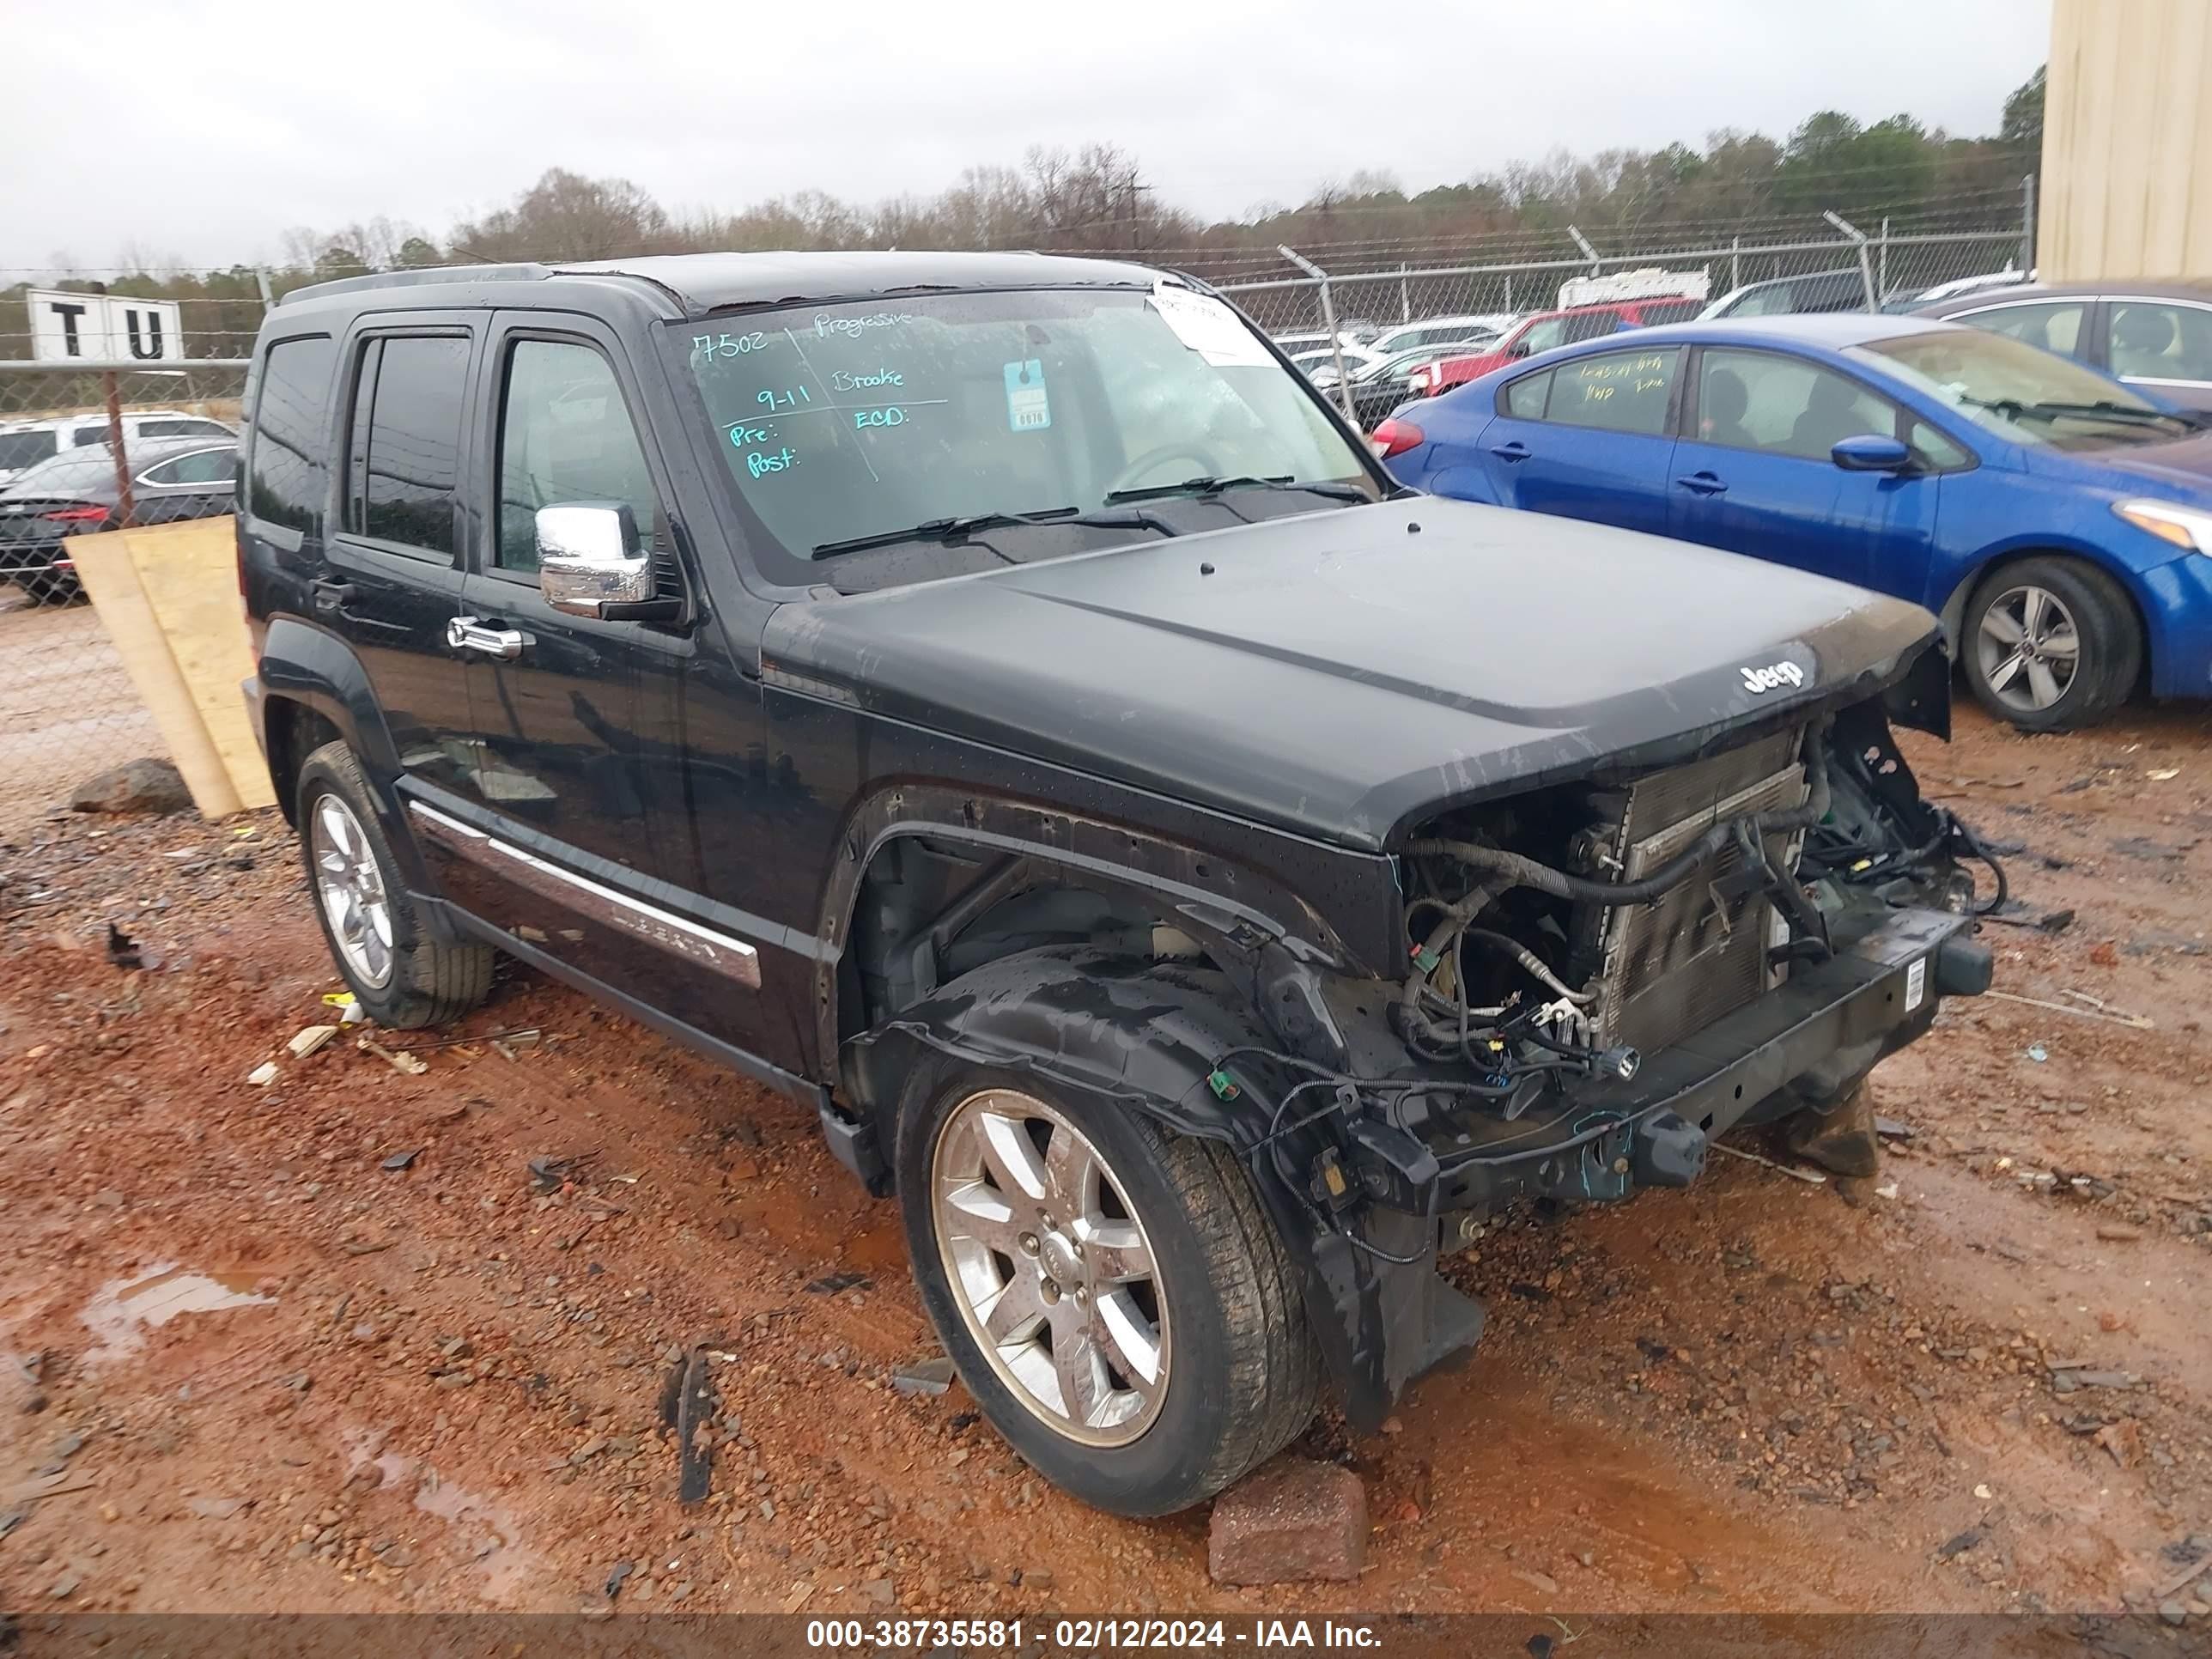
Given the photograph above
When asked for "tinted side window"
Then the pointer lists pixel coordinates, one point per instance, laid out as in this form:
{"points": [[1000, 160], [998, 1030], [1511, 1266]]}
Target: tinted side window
{"points": [[1524, 399], [289, 433], [2055, 327], [412, 455], [22, 449], [1783, 406], [1619, 392], [564, 437], [1671, 311], [206, 466]]}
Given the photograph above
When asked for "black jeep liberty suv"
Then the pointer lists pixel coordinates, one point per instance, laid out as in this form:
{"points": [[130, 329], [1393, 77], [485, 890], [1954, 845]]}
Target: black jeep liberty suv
{"points": [[993, 701]]}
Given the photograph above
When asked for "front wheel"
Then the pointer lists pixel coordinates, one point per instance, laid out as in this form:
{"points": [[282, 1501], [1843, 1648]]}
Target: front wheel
{"points": [[1112, 1295], [2051, 644]]}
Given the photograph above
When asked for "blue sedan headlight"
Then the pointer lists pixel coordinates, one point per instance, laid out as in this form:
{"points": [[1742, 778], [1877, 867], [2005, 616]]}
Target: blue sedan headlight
{"points": [[2184, 526]]}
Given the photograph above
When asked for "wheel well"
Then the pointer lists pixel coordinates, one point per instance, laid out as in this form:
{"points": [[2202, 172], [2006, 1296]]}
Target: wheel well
{"points": [[1954, 614], [927, 912], [294, 732]]}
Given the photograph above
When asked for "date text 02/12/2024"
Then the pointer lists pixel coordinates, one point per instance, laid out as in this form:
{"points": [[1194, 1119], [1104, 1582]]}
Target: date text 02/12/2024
{"points": [[1086, 1635]]}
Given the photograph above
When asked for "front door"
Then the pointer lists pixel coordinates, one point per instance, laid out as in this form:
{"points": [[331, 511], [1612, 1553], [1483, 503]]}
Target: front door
{"points": [[1588, 439], [580, 720], [1752, 473]]}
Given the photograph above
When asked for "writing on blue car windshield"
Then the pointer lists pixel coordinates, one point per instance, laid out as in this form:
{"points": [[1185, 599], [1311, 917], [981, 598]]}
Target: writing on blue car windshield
{"points": [[845, 423]]}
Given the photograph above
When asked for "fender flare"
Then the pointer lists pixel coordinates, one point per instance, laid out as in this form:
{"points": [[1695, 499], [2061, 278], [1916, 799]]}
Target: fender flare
{"points": [[1952, 611], [313, 668], [1146, 1036]]}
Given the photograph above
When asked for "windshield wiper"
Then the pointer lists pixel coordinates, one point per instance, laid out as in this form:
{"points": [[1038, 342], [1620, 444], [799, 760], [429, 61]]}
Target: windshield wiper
{"points": [[1203, 487], [951, 530], [2102, 410]]}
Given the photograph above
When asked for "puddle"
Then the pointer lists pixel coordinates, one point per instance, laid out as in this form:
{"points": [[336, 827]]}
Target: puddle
{"points": [[122, 1311], [486, 1530]]}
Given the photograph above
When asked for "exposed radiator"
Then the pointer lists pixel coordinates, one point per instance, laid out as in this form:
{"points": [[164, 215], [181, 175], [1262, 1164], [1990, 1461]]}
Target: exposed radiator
{"points": [[1682, 962]]}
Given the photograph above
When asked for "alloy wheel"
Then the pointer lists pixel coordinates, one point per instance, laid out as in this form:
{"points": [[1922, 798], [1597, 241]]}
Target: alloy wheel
{"points": [[1051, 1267], [2028, 648], [349, 886]]}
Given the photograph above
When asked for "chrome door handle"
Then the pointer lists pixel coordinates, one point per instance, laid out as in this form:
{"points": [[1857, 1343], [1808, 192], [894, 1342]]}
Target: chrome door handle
{"points": [[470, 634]]}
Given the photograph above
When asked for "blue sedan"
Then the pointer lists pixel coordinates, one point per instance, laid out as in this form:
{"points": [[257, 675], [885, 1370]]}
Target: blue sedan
{"points": [[2059, 522]]}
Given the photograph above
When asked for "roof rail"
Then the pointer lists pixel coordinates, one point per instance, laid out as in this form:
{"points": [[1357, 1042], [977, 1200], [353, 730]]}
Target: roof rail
{"points": [[526, 272]]}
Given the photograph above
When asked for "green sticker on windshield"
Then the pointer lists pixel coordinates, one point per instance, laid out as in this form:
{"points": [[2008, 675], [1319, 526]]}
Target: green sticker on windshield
{"points": [[1026, 408]]}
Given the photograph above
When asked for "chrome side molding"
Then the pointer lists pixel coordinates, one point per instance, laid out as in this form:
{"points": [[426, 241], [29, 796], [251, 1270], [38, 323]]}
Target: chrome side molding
{"points": [[731, 958]]}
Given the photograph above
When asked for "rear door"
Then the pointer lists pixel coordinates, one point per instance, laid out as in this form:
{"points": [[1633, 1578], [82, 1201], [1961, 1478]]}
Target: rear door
{"points": [[391, 581], [1588, 439], [1753, 474]]}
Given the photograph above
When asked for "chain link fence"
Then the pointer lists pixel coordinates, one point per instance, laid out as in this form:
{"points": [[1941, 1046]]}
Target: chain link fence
{"points": [[68, 708], [1380, 300]]}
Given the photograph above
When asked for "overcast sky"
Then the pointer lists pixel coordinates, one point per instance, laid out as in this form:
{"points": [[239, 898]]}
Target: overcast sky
{"points": [[203, 130]]}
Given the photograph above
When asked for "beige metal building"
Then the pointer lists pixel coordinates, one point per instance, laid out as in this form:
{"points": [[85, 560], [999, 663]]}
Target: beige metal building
{"points": [[2127, 141]]}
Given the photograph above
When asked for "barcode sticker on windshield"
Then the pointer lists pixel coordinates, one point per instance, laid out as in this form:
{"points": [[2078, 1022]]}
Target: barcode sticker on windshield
{"points": [[1027, 409], [1208, 327]]}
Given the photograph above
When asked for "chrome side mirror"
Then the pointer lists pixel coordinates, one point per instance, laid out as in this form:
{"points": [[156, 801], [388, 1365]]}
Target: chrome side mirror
{"points": [[589, 559]]}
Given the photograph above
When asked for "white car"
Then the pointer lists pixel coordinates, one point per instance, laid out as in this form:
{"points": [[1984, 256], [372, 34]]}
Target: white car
{"points": [[1318, 362], [1444, 331], [25, 443]]}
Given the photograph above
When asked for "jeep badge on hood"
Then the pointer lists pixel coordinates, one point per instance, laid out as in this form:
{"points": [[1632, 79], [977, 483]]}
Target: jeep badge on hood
{"points": [[1756, 680]]}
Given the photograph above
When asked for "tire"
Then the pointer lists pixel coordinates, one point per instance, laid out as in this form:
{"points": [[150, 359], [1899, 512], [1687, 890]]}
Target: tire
{"points": [[2070, 601], [1238, 1371], [47, 589], [401, 976]]}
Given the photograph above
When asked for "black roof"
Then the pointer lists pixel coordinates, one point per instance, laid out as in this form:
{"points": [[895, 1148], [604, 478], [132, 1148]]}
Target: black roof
{"points": [[703, 282]]}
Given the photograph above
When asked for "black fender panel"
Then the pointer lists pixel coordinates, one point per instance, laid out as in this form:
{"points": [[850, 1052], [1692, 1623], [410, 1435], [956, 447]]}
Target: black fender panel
{"points": [[303, 663], [1148, 1036]]}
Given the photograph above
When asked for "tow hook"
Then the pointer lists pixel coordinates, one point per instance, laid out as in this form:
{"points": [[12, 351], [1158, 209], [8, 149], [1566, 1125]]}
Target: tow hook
{"points": [[1668, 1150]]}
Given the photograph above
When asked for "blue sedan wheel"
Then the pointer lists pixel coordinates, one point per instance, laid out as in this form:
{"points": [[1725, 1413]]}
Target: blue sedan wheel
{"points": [[2030, 647], [2051, 644]]}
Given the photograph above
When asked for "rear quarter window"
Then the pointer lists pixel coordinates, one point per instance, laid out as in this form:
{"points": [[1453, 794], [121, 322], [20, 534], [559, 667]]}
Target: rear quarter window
{"points": [[21, 449], [287, 440]]}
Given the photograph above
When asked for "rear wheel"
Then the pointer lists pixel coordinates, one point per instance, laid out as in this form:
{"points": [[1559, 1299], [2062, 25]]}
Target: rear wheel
{"points": [[2051, 644], [399, 975], [1113, 1295]]}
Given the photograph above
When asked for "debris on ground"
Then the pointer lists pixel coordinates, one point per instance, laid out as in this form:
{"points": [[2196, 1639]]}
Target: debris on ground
{"points": [[401, 1160], [844, 1280], [310, 1039], [932, 1375], [397, 1059], [1811, 1177], [1290, 1522], [152, 786], [687, 1406], [549, 1173], [263, 1074], [123, 949]]}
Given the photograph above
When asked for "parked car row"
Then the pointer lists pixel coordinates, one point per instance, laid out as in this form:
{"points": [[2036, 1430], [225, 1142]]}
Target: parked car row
{"points": [[77, 492], [24, 444], [2057, 520]]}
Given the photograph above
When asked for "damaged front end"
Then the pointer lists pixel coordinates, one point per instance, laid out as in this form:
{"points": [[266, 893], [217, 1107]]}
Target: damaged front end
{"points": [[1603, 977]]}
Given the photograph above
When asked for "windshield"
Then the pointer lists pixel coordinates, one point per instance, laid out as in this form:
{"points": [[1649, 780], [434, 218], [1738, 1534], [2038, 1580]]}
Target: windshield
{"points": [[845, 422], [2020, 391]]}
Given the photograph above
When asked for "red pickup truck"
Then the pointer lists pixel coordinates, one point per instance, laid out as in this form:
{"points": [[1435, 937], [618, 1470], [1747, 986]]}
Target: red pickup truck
{"points": [[1540, 330]]}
